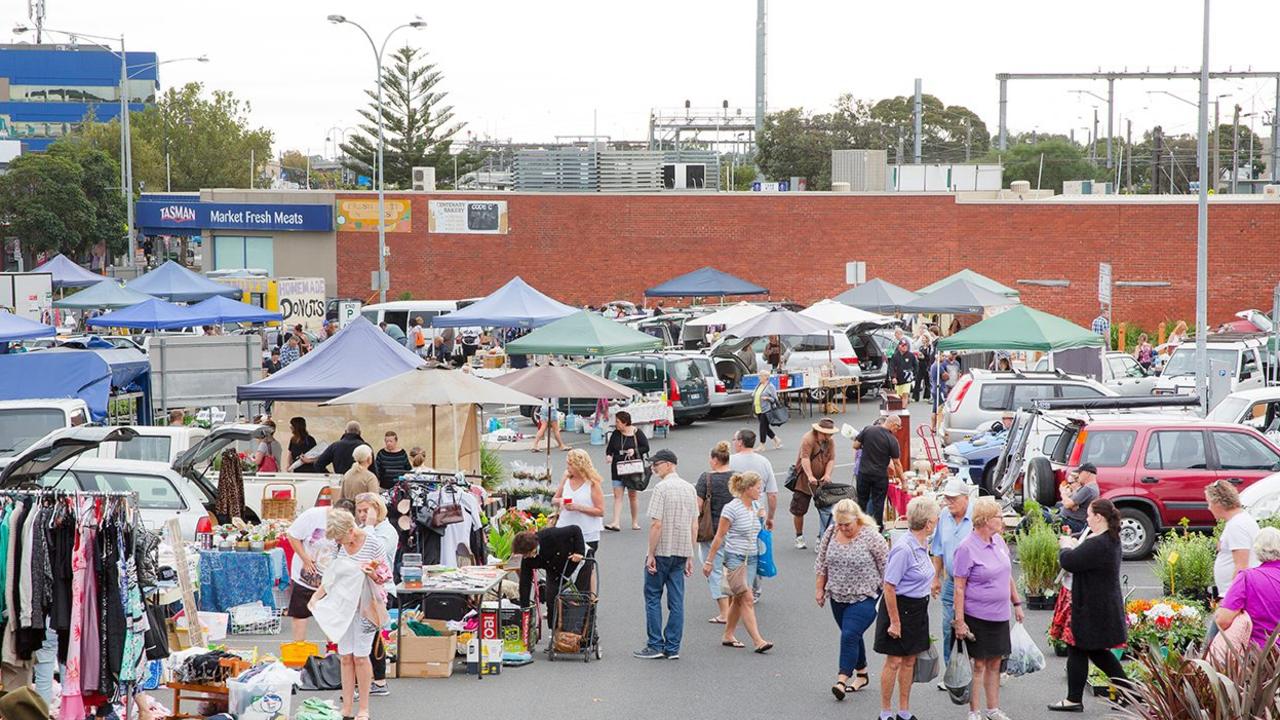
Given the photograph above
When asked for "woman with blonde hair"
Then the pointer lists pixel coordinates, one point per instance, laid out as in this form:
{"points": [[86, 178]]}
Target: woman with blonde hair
{"points": [[850, 570], [1177, 337], [371, 513], [902, 623], [581, 499], [739, 528]]}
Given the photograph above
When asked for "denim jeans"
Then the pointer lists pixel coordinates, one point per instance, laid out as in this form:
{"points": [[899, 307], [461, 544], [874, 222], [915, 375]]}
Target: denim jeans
{"points": [[46, 661], [824, 521], [853, 619], [716, 578], [670, 575], [948, 614]]}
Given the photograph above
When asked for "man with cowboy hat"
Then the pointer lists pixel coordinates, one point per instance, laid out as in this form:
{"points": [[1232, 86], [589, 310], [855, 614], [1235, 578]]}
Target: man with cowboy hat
{"points": [[814, 464]]}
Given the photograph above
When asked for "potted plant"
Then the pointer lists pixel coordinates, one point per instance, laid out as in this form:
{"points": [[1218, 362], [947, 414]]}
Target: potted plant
{"points": [[1059, 647], [1184, 564], [242, 541], [1164, 625], [1037, 547], [271, 539], [257, 542]]}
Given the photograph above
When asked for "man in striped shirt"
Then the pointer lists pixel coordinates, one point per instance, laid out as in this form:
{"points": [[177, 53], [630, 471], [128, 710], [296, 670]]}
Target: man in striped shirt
{"points": [[391, 462]]}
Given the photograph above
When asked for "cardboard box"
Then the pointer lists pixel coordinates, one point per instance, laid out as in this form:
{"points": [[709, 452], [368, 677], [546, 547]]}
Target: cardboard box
{"points": [[428, 657]]}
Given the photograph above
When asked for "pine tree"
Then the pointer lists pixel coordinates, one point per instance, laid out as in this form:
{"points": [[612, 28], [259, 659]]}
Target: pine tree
{"points": [[418, 125]]}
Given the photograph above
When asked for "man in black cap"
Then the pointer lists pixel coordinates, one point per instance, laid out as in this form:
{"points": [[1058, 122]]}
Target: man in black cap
{"points": [[673, 534], [1080, 489]]}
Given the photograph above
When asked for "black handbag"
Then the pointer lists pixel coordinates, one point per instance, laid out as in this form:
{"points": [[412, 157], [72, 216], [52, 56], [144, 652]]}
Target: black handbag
{"points": [[778, 415], [156, 639], [793, 477], [321, 673], [828, 494]]}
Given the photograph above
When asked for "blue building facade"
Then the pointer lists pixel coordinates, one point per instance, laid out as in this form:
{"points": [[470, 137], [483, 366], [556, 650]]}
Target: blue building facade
{"points": [[47, 91]]}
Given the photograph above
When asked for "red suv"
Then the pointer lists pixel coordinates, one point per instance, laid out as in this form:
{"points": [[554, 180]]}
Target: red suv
{"points": [[1155, 471]]}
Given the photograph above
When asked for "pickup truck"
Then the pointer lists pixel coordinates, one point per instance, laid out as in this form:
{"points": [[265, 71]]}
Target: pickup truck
{"points": [[22, 422]]}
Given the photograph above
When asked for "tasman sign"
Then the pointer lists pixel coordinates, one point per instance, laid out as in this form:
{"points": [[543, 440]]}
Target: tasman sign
{"points": [[168, 216]]}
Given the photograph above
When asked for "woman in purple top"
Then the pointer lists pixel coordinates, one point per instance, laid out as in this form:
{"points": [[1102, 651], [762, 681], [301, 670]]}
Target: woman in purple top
{"points": [[984, 592], [1256, 591], [902, 624]]}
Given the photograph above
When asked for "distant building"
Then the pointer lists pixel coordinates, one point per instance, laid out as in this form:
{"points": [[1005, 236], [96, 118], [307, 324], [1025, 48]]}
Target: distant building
{"points": [[47, 90]]}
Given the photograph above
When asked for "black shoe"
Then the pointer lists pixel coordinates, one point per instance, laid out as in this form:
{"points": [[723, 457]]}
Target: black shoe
{"points": [[647, 653], [671, 655]]}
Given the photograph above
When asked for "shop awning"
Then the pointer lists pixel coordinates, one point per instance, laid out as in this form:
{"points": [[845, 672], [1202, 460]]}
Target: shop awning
{"points": [[14, 327], [705, 282], [66, 273], [959, 297], [975, 278], [516, 304], [175, 283], [358, 356], [1022, 328], [151, 314], [107, 293], [583, 333], [877, 295]]}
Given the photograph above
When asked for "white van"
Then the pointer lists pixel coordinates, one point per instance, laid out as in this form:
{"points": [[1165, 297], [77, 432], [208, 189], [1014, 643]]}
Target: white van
{"points": [[402, 312], [22, 422]]}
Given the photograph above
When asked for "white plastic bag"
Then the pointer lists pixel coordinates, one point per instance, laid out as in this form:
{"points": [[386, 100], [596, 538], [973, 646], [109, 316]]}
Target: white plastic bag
{"points": [[1024, 656], [959, 673]]}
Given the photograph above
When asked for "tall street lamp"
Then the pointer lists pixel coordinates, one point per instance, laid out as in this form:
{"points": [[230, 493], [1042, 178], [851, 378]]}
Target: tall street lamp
{"points": [[1202, 226], [417, 23], [138, 70]]}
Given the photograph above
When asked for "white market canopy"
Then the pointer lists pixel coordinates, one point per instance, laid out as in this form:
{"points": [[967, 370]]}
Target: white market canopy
{"points": [[837, 313], [731, 315]]}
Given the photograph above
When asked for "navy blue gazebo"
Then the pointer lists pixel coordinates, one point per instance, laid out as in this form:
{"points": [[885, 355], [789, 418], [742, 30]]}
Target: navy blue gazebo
{"points": [[705, 282]]}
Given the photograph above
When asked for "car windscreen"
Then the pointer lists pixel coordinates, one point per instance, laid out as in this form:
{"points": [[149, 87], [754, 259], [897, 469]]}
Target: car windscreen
{"points": [[20, 427], [814, 343], [1183, 361], [685, 370], [1229, 410], [153, 449]]}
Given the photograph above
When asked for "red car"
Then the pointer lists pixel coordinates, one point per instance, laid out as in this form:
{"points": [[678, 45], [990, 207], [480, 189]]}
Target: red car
{"points": [[1155, 471]]}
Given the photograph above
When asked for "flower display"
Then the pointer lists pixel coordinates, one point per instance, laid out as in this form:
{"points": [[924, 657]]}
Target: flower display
{"points": [[1165, 622]]}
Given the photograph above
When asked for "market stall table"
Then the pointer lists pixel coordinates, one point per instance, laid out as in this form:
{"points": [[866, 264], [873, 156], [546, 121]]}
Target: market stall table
{"points": [[229, 578], [475, 581], [645, 413]]}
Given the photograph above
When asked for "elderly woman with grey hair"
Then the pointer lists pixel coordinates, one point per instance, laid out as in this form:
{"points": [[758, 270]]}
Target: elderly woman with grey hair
{"points": [[902, 623], [1256, 590]]}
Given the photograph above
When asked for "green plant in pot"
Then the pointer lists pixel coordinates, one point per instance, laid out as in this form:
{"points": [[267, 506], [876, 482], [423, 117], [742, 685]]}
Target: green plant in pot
{"points": [[1184, 563], [1038, 555], [492, 470]]}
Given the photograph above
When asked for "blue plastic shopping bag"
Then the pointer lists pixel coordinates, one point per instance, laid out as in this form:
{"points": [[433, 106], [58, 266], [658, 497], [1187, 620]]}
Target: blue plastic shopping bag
{"points": [[766, 568]]}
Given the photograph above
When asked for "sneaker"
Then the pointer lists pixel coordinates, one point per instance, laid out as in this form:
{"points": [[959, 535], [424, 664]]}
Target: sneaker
{"points": [[942, 686], [755, 597], [800, 543], [379, 690], [975, 715], [671, 655], [647, 653], [996, 714]]}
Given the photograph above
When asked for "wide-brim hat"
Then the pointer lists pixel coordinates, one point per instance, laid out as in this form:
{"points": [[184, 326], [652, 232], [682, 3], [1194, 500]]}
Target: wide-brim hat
{"points": [[826, 426]]}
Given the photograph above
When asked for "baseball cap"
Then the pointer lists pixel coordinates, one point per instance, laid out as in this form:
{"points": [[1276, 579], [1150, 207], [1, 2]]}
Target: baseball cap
{"points": [[955, 487], [1087, 467], [664, 455]]}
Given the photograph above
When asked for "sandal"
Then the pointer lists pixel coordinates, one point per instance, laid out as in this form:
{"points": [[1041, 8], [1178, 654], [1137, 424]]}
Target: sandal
{"points": [[861, 680], [717, 620], [1066, 706], [613, 528], [840, 690], [732, 643], [764, 648]]}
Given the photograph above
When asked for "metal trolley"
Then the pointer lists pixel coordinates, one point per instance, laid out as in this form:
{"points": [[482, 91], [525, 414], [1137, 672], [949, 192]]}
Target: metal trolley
{"points": [[575, 631]]}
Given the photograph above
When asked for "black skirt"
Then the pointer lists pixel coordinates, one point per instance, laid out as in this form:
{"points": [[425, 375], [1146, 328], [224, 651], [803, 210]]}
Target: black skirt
{"points": [[991, 639], [913, 615]]}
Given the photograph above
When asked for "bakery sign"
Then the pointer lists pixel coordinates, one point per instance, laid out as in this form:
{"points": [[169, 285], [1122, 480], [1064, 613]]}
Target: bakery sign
{"points": [[468, 217]]}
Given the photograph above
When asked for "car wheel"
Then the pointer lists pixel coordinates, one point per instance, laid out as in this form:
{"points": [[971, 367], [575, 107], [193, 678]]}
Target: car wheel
{"points": [[1137, 533], [989, 479], [684, 422], [1039, 485]]}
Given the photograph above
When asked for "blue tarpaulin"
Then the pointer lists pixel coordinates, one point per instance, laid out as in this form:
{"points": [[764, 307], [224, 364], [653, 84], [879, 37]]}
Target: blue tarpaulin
{"points": [[226, 310], [516, 304], [68, 274], [152, 314], [14, 327], [359, 355], [175, 283], [46, 374], [705, 282]]}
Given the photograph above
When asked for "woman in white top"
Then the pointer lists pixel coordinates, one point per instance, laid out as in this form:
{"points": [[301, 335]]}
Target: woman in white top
{"points": [[581, 499], [371, 513], [738, 531]]}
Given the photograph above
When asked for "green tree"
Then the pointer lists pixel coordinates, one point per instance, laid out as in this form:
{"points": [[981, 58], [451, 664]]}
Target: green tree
{"points": [[418, 126], [795, 143], [43, 204], [294, 167], [207, 137], [947, 132], [100, 183], [1062, 160]]}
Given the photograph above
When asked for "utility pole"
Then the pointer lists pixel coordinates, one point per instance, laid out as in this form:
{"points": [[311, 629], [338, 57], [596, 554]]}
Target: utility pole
{"points": [[968, 140], [918, 123], [1215, 141], [1202, 229], [1157, 143], [1128, 143], [1235, 148], [1111, 115], [1093, 144]]}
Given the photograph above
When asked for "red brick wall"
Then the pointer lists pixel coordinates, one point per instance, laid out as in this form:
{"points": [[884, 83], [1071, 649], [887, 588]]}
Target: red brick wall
{"points": [[594, 248]]}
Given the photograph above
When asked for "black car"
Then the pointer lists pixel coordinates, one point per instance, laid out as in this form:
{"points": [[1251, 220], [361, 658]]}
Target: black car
{"points": [[678, 375]]}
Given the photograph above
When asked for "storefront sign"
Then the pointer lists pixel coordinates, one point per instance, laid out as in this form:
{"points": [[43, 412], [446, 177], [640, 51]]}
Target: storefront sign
{"points": [[362, 215], [468, 217], [302, 302], [190, 217]]}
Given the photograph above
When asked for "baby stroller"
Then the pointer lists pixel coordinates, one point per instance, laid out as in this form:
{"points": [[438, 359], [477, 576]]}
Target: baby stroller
{"points": [[575, 634]]}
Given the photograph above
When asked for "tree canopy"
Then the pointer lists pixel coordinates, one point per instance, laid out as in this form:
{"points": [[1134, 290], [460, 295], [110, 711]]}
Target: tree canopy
{"points": [[1063, 160]]}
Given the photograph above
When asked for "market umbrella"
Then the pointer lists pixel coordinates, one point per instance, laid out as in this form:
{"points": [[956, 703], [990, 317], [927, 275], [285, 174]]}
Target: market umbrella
{"points": [[557, 381], [877, 296], [109, 294], [779, 321], [67, 273], [435, 387], [14, 327], [226, 310], [175, 283], [731, 315], [975, 278], [583, 333], [841, 315], [958, 297], [151, 314], [1022, 328]]}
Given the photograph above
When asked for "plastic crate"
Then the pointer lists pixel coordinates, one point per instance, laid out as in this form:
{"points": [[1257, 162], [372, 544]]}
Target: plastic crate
{"points": [[257, 626]]}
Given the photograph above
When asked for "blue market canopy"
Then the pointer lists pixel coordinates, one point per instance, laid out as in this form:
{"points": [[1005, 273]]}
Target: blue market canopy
{"points": [[66, 273], [175, 283], [225, 310], [152, 314], [14, 327], [706, 282], [108, 294], [516, 304], [359, 355], [47, 374]]}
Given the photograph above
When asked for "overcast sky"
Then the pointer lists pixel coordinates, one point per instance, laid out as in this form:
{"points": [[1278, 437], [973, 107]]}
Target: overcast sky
{"points": [[532, 70]]}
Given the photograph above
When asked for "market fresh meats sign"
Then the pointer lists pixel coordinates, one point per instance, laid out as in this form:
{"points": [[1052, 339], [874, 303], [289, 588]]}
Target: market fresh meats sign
{"points": [[158, 216]]}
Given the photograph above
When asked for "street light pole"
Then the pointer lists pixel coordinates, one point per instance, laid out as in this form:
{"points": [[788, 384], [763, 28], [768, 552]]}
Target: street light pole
{"points": [[1202, 227], [383, 280]]}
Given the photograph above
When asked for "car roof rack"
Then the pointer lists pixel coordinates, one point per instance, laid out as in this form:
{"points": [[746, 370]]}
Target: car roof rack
{"points": [[1232, 336], [1116, 403]]}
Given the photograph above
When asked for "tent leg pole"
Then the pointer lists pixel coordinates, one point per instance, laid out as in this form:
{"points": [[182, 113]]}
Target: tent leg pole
{"points": [[433, 438]]}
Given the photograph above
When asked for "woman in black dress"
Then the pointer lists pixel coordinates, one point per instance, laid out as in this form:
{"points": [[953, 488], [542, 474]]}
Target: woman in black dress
{"points": [[626, 443], [1097, 612], [300, 443]]}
